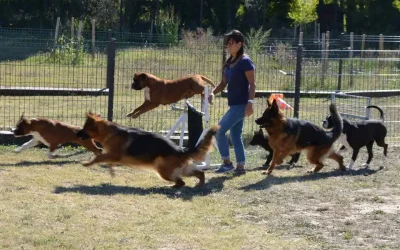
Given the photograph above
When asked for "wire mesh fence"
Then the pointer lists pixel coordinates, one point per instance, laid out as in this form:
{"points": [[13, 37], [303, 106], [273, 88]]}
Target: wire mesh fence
{"points": [[64, 82]]}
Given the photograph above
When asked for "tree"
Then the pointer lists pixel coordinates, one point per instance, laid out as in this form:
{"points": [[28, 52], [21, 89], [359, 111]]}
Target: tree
{"points": [[303, 11]]}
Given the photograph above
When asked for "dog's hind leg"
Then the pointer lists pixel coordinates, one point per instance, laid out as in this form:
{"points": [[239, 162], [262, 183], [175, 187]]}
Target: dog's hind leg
{"points": [[200, 175], [354, 157], [166, 175], [167, 171], [370, 154], [338, 158], [382, 143], [192, 171]]}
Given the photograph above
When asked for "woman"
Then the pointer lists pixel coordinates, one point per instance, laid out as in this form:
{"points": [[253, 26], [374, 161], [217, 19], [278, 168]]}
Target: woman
{"points": [[238, 74]]}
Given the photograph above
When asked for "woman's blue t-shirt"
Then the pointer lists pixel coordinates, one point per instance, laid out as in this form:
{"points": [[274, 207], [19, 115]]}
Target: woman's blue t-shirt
{"points": [[238, 85]]}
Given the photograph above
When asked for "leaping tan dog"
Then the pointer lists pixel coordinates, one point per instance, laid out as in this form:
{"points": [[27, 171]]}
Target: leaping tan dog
{"points": [[162, 91]]}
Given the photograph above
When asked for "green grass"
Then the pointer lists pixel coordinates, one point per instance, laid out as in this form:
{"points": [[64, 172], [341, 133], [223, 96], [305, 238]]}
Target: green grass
{"points": [[58, 204]]}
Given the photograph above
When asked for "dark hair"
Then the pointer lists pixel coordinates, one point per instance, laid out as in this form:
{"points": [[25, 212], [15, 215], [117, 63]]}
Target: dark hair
{"points": [[237, 36]]}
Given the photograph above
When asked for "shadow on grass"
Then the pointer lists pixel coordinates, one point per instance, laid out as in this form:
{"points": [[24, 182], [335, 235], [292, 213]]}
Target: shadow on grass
{"points": [[213, 185], [282, 166], [46, 162], [36, 163], [274, 180]]}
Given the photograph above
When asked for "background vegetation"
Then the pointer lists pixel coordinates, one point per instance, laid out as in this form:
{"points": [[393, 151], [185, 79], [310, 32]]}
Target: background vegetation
{"points": [[359, 16]]}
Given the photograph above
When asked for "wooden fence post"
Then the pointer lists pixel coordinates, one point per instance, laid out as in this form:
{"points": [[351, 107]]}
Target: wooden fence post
{"points": [[58, 23], [72, 28], [93, 36], [326, 51]]}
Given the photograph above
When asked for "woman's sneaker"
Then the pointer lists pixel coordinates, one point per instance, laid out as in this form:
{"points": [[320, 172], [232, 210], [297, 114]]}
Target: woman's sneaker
{"points": [[224, 168]]}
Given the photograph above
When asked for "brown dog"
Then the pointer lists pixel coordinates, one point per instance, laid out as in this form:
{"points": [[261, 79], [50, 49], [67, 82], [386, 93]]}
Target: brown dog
{"points": [[138, 148], [161, 91], [51, 133], [289, 136]]}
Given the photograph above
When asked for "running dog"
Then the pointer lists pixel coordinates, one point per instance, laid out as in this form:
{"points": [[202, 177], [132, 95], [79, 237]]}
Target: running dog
{"points": [[356, 135], [261, 139], [290, 136], [138, 148], [51, 133], [159, 91]]}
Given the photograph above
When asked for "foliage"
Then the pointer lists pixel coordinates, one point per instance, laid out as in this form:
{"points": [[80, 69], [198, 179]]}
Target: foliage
{"points": [[256, 39], [396, 3], [67, 51], [167, 26], [360, 16], [198, 39], [303, 11]]}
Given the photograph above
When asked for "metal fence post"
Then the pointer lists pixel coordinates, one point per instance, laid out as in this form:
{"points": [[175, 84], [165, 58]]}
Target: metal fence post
{"points": [[110, 77], [298, 78], [339, 84]]}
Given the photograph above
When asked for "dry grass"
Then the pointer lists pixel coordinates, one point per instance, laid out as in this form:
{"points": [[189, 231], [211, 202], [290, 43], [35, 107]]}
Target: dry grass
{"points": [[58, 204]]}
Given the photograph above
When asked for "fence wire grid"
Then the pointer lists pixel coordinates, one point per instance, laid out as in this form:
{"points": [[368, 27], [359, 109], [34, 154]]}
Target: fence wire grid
{"points": [[65, 82]]}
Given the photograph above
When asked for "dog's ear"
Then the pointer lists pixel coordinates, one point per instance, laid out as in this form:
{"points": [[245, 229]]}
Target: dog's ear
{"points": [[89, 114], [274, 106], [268, 103], [142, 76]]}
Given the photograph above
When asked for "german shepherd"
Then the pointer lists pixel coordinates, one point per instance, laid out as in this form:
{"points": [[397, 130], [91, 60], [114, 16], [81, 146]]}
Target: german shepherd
{"points": [[261, 139], [138, 148], [289, 136]]}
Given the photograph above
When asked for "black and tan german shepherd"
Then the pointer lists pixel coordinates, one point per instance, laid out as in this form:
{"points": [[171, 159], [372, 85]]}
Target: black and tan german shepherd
{"points": [[138, 148], [290, 136]]}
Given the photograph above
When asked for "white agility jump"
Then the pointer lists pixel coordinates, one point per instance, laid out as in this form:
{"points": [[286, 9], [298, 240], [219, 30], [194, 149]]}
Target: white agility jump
{"points": [[183, 120]]}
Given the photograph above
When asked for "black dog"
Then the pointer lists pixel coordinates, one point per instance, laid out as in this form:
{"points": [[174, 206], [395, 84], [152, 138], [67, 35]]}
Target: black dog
{"points": [[359, 134], [259, 139]]}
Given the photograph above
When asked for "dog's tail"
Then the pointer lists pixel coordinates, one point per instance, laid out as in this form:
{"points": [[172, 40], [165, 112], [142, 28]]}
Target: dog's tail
{"points": [[379, 109], [199, 152], [207, 80], [337, 122]]}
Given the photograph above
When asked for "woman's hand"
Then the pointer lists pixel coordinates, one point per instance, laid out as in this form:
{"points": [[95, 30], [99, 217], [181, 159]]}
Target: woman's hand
{"points": [[249, 109], [211, 98]]}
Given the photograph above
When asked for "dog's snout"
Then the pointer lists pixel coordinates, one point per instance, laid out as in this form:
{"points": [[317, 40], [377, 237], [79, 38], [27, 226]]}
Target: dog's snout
{"points": [[136, 85], [82, 135]]}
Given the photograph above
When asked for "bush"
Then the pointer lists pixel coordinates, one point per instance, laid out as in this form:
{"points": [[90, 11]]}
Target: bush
{"points": [[67, 51]]}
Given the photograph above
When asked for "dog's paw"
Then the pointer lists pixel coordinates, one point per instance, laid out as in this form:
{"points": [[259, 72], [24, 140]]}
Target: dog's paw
{"points": [[365, 165], [86, 164], [268, 172], [290, 166], [18, 150], [51, 156], [129, 114]]}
